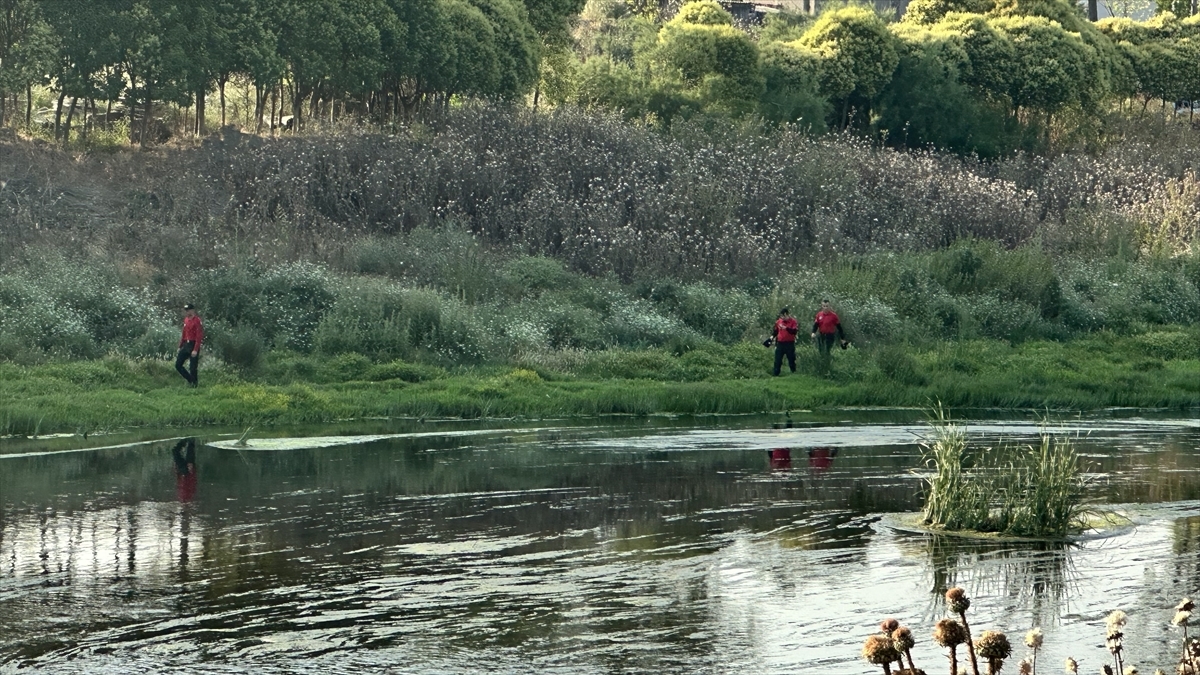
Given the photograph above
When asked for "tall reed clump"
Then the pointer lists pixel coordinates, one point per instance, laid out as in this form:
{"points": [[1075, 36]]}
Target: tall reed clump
{"points": [[1029, 491]]}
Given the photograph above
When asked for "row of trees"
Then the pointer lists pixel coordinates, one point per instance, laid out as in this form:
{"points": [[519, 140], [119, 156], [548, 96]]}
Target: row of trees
{"points": [[981, 76], [974, 75], [374, 57]]}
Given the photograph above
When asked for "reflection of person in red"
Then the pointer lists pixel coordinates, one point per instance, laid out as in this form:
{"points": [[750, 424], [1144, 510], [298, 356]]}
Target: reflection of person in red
{"points": [[821, 459], [184, 454], [781, 458]]}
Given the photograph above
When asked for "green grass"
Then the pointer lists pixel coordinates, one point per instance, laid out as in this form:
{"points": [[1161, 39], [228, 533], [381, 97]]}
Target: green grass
{"points": [[1027, 491], [1102, 370]]}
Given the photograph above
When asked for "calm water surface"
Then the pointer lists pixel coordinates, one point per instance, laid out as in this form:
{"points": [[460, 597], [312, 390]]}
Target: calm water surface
{"points": [[652, 546]]}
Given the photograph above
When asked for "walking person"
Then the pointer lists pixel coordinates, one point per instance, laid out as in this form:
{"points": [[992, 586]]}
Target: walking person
{"points": [[784, 333], [827, 328], [189, 345]]}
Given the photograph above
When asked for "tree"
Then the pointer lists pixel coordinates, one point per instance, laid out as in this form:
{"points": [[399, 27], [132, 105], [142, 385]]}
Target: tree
{"points": [[1050, 67], [792, 92], [858, 56], [713, 62], [28, 47]]}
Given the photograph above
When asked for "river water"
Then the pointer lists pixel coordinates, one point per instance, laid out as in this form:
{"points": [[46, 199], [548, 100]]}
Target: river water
{"points": [[688, 545]]}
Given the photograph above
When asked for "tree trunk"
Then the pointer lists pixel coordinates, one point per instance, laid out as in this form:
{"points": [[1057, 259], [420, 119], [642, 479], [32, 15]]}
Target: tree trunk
{"points": [[146, 117], [260, 100], [537, 93], [88, 103], [201, 114], [1093, 10], [58, 116], [108, 115], [221, 87], [70, 116], [28, 105], [3, 109]]}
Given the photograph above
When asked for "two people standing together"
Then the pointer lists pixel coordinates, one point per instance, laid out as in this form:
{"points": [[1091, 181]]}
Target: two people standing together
{"points": [[826, 329]]}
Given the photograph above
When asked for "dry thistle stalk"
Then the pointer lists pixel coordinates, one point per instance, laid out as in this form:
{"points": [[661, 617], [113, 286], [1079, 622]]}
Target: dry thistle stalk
{"points": [[958, 603], [950, 633], [903, 641], [878, 649], [993, 646], [1033, 640], [1114, 640]]}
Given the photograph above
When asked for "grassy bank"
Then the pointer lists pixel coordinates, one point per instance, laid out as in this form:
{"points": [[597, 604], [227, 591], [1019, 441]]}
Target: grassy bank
{"points": [[1153, 370]]}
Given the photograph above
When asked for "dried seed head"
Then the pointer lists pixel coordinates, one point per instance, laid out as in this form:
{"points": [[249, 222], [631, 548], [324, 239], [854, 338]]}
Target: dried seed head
{"points": [[1107, 669], [888, 625], [1131, 670], [949, 633], [1033, 639], [1071, 666], [1185, 605], [1116, 621], [878, 649], [957, 600], [1025, 667], [993, 645], [902, 639], [1181, 617]]}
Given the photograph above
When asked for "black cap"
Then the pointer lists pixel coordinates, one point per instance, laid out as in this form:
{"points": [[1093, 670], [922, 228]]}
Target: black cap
{"points": [[785, 310]]}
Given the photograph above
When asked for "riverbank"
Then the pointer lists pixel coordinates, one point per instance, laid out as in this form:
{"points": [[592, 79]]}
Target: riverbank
{"points": [[1152, 370]]}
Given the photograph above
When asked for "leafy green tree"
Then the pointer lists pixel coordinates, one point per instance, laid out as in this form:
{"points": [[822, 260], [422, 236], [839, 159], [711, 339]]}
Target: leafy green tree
{"points": [[929, 100], [602, 82], [990, 55], [1050, 67], [929, 12], [712, 62], [518, 47], [792, 92], [784, 27], [858, 56], [28, 47], [702, 13]]}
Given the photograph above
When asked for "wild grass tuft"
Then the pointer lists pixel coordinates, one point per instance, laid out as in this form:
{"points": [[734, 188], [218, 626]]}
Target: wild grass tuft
{"points": [[1030, 491]]}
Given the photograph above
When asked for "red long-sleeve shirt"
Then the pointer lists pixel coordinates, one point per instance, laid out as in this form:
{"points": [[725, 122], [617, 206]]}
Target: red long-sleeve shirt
{"points": [[786, 329], [193, 331], [827, 323]]}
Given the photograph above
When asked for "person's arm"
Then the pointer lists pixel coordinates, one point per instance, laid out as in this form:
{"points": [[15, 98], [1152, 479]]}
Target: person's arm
{"points": [[793, 327], [815, 325], [841, 334]]}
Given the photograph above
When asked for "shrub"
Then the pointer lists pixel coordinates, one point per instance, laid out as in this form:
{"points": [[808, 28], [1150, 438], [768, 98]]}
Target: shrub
{"points": [[898, 365], [407, 372], [242, 346]]}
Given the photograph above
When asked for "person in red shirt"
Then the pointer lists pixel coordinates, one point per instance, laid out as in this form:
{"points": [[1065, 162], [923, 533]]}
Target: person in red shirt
{"points": [[785, 339], [189, 345], [826, 328]]}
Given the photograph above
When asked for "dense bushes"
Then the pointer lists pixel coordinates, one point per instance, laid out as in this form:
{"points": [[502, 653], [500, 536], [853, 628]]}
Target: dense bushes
{"points": [[537, 309]]}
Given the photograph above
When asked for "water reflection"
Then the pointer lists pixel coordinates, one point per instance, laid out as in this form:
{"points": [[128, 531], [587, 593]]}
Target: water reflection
{"points": [[552, 549], [184, 456], [1033, 575], [820, 460]]}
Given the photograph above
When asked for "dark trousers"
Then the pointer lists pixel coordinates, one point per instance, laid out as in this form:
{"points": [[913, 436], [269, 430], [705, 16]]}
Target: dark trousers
{"points": [[185, 355], [825, 342], [783, 349]]}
